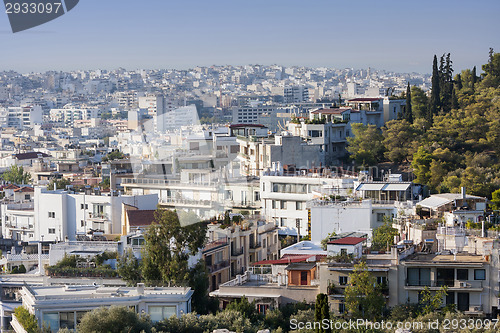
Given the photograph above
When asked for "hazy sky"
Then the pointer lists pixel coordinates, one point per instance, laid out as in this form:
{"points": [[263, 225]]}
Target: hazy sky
{"points": [[398, 35]]}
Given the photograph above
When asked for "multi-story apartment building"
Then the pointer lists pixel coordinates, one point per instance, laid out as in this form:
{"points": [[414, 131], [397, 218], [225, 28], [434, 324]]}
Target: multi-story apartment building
{"points": [[260, 155], [55, 216], [21, 118], [284, 198]]}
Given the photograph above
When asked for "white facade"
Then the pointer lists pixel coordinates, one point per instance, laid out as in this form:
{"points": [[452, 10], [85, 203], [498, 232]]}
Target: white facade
{"points": [[21, 117], [284, 198], [62, 306], [355, 216], [171, 119], [60, 215]]}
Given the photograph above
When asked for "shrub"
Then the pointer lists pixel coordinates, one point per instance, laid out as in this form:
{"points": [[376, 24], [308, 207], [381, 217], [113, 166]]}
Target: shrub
{"points": [[27, 320]]}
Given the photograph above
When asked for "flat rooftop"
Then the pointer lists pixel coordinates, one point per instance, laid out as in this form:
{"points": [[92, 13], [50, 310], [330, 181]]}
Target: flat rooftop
{"points": [[462, 258], [92, 292]]}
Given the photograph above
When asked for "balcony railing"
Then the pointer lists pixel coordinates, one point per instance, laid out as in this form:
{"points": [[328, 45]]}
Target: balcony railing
{"points": [[236, 252], [218, 266], [255, 245], [449, 283]]}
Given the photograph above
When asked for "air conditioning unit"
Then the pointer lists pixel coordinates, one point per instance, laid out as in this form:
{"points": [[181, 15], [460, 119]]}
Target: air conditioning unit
{"points": [[463, 284], [477, 308]]}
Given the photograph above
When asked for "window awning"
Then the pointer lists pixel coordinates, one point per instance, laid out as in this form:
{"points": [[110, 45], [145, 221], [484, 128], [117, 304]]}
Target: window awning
{"points": [[396, 187]]}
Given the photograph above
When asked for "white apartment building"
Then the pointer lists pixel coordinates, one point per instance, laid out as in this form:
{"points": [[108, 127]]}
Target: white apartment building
{"points": [[172, 119], [259, 155], [64, 306], [284, 198], [60, 215], [348, 216], [68, 114], [21, 118]]}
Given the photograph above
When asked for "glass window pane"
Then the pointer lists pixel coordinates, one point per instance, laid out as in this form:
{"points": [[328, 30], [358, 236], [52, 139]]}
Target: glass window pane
{"points": [[51, 320]]}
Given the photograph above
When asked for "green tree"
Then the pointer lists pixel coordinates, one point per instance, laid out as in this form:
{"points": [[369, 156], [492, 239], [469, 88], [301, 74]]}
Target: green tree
{"points": [[495, 200], [199, 282], [383, 236], [435, 101], [246, 308], [16, 175], [432, 301], [115, 319], [168, 246], [396, 132], [324, 241], [408, 109], [421, 165], [419, 102], [59, 183], [322, 312], [114, 155], [128, 268], [365, 146], [363, 297]]}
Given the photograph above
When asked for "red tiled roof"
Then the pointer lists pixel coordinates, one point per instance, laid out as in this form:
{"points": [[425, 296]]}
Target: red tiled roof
{"points": [[347, 241], [24, 189], [140, 218], [11, 187]]}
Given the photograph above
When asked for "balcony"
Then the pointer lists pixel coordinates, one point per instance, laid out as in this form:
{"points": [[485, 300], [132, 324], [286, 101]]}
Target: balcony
{"points": [[218, 266], [471, 285], [255, 245], [236, 252], [215, 244]]}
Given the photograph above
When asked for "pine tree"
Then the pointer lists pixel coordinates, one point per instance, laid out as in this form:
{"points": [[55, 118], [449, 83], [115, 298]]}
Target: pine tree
{"points": [[408, 110], [434, 106]]}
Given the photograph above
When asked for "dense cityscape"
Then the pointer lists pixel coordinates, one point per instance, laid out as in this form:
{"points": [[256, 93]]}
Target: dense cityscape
{"points": [[241, 167], [255, 196]]}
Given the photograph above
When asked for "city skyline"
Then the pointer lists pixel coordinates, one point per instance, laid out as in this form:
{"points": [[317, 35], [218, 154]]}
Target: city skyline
{"points": [[396, 37]]}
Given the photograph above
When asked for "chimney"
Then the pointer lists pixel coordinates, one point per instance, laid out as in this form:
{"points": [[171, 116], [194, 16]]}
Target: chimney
{"points": [[140, 288], [464, 195]]}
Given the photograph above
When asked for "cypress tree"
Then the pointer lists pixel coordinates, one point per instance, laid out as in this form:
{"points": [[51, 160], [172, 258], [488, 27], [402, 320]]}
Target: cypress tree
{"points": [[474, 77], [435, 92], [322, 312], [454, 99], [458, 81], [408, 110]]}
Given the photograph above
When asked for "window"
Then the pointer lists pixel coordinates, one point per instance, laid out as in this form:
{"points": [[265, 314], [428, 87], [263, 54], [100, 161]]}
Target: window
{"points": [[82, 223], [51, 320], [342, 280], [158, 313], [299, 205], [52, 230], [380, 217], [343, 252], [283, 204], [289, 188], [282, 221], [67, 320], [479, 274], [273, 204], [382, 280], [462, 274], [52, 215], [256, 196], [419, 277], [84, 206], [27, 197], [341, 308]]}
